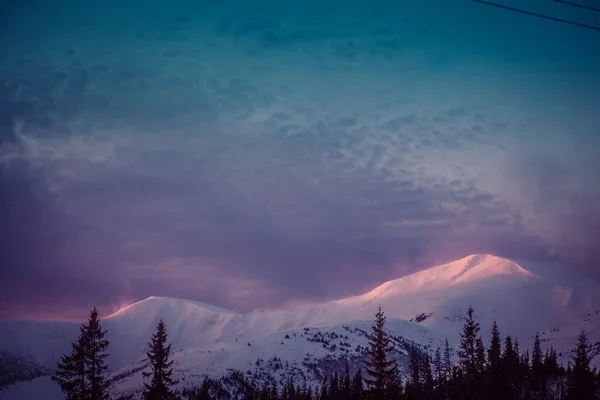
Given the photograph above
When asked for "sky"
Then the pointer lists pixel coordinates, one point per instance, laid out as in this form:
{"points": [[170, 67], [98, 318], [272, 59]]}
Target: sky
{"points": [[260, 154]]}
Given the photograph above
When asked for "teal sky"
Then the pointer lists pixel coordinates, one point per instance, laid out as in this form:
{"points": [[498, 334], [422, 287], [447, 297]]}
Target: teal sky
{"points": [[254, 154]]}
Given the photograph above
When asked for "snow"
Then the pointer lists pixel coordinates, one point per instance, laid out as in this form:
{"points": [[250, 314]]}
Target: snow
{"points": [[524, 298]]}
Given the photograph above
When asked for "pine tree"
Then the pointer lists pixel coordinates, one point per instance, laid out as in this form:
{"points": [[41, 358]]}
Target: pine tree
{"points": [[324, 390], [357, 386], [468, 356], [158, 354], [95, 357], [346, 389], [480, 355], [204, 393], [581, 380], [427, 376], [438, 367], [447, 361], [381, 370], [81, 374], [538, 378], [494, 373], [71, 372], [334, 391]]}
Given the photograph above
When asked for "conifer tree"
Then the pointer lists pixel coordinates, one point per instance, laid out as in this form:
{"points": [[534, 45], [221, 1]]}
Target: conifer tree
{"points": [[81, 374], [468, 356], [158, 354], [447, 360], [581, 380], [480, 355], [495, 383], [537, 374], [438, 367], [204, 393], [324, 390], [381, 370], [70, 374], [95, 357], [346, 388], [334, 391], [427, 376], [357, 385]]}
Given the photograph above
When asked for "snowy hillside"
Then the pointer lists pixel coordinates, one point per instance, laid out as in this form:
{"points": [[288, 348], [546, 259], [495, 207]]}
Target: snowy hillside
{"points": [[307, 341], [562, 336], [522, 297]]}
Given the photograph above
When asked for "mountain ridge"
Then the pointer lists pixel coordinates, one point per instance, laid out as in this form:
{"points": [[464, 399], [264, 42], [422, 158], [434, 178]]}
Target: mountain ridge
{"points": [[423, 309]]}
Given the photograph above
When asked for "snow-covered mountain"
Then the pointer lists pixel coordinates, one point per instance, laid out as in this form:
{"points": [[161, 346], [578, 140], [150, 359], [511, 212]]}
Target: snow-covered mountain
{"points": [[423, 310]]}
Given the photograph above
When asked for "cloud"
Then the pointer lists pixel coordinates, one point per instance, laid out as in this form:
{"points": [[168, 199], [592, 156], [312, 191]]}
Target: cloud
{"points": [[248, 159]]}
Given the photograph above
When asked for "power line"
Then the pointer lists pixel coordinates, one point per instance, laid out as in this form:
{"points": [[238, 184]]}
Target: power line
{"points": [[579, 5], [595, 28]]}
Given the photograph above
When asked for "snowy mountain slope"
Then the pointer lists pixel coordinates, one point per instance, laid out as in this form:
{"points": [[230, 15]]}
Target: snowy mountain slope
{"points": [[523, 298], [562, 336], [303, 352]]}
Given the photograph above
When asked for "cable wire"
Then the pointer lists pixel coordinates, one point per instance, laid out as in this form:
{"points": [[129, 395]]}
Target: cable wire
{"points": [[595, 28], [579, 5]]}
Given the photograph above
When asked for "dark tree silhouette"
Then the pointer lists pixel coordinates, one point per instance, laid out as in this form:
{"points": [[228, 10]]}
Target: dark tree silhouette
{"points": [[95, 357], [158, 354], [382, 374], [80, 375], [70, 372], [494, 373], [470, 356], [581, 380]]}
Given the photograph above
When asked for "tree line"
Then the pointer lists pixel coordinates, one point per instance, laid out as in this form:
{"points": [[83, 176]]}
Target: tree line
{"points": [[498, 371]]}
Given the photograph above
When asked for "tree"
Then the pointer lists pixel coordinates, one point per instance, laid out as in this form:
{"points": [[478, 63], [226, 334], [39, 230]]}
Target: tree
{"points": [[70, 372], [438, 366], [581, 380], [346, 384], [381, 370], [357, 385], [81, 374], [447, 360], [470, 355], [495, 384], [158, 354], [538, 372], [204, 391], [95, 357]]}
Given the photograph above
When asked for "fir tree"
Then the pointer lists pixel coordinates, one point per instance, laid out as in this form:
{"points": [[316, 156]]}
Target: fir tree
{"points": [[468, 356], [357, 386], [438, 367], [324, 390], [81, 374], [381, 370], [334, 391], [95, 357], [447, 360], [158, 354], [581, 380], [494, 373], [70, 374], [346, 384], [204, 392], [537, 373]]}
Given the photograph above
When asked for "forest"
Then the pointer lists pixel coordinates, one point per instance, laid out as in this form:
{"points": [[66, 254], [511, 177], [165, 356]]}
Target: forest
{"points": [[499, 370]]}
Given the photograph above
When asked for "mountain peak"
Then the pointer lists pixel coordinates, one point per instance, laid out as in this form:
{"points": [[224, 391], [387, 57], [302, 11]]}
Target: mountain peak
{"points": [[160, 305], [469, 269]]}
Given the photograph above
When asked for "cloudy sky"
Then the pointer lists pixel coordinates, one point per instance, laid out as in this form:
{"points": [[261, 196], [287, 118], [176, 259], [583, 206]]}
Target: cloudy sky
{"points": [[251, 154]]}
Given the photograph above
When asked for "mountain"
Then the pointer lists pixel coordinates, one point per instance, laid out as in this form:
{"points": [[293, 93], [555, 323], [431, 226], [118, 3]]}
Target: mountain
{"points": [[423, 310]]}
